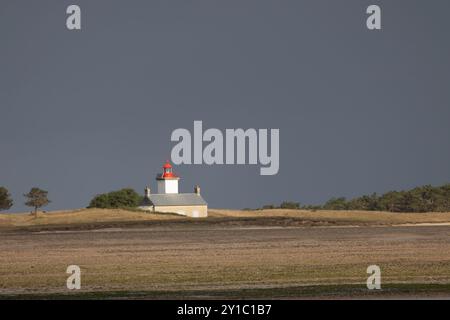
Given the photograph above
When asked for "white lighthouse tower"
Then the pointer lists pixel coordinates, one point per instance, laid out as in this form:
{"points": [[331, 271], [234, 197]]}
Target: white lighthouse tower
{"points": [[167, 181]]}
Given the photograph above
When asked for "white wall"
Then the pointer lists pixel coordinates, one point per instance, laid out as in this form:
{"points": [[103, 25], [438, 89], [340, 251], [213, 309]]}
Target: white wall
{"points": [[168, 186], [190, 211]]}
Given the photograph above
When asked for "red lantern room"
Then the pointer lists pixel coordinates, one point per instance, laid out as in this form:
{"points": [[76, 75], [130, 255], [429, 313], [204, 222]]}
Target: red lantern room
{"points": [[167, 171]]}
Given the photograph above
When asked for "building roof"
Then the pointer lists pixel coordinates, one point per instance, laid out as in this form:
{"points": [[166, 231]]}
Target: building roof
{"points": [[174, 199], [167, 165]]}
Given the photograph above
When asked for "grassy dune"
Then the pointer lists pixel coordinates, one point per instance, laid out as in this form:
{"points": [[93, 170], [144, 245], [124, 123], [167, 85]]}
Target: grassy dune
{"points": [[98, 218], [79, 216], [344, 216]]}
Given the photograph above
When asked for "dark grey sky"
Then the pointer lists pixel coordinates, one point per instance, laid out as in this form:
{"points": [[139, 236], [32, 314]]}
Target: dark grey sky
{"points": [[359, 111]]}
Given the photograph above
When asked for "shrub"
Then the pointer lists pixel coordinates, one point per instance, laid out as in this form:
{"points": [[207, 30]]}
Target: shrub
{"points": [[289, 205], [336, 204], [124, 198]]}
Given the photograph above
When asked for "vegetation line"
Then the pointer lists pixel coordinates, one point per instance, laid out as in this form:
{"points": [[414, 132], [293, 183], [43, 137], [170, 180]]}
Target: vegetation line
{"points": [[421, 199]]}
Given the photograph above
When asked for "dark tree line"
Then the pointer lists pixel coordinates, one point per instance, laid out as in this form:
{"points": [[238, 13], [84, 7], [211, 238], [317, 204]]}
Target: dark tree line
{"points": [[421, 199]]}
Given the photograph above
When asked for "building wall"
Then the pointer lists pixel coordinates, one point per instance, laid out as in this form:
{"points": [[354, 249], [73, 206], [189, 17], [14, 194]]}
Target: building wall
{"points": [[146, 208], [167, 186], [190, 211]]}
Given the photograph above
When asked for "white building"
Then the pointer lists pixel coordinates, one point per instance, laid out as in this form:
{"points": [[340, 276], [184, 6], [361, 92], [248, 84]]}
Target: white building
{"points": [[169, 200]]}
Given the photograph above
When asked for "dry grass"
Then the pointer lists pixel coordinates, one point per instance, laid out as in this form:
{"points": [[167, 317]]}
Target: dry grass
{"points": [[343, 216], [99, 216], [80, 216]]}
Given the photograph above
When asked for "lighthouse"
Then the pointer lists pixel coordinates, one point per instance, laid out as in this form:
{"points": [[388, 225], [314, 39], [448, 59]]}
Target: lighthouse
{"points": [[169, 200], [167, 181]]}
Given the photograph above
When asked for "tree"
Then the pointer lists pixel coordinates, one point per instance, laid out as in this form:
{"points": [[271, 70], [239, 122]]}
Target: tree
{"points": [[336, 204], [5, 199], [124, 198], [420, 199], [444, 199], [289, 205], [37, 198], [100, 201], [366, 202]]}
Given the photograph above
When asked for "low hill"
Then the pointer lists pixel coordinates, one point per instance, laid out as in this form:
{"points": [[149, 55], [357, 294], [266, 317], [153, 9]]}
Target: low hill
{"points": [[120, 218]]}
